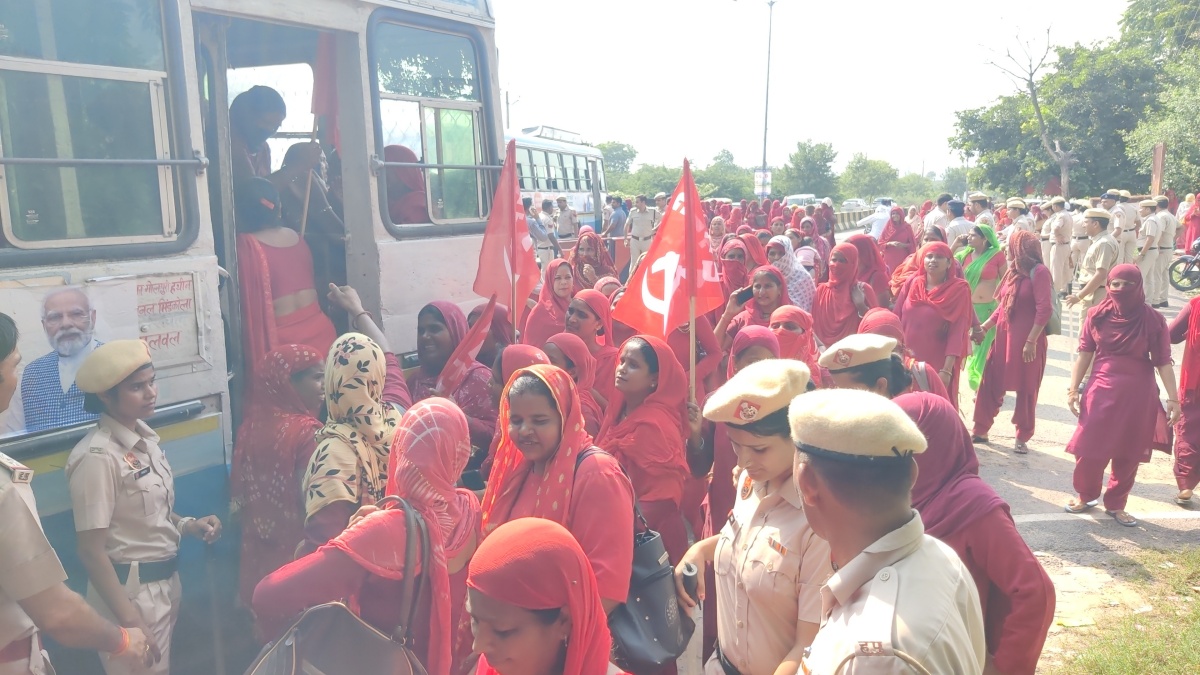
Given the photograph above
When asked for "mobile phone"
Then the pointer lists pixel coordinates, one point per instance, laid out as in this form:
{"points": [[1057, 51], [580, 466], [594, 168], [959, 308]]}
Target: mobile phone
{"points": [[743, 296]]}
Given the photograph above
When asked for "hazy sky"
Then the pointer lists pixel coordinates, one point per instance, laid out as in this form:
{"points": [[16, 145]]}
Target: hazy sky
{"points": [[679, 78]]}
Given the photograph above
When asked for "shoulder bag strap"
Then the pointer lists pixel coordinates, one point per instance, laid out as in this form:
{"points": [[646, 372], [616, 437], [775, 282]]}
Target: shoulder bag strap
{"points": [[637, 510], [415, 536]]}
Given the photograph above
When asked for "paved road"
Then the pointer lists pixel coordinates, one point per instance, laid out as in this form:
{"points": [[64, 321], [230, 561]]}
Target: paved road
{"points": [[1087, 556]]}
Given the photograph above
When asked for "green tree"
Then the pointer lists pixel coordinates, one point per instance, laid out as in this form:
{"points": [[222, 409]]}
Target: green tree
{"points": [[724, 178], [868, 178], [1174, 123], [809, 170], [1166, 27], [647, 180], [913, 188], [618, 157], [954, 180]]}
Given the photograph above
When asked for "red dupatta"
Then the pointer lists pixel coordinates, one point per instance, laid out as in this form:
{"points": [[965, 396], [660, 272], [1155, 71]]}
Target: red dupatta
{"points": [[951, 299], [871, 268], [429, 451], [259, 332], [602, 265], [549, 315], [949, 494], [755, 249], [800, 346], [1189, 372], [510, 469], [900, 232], [734, 274], [576, 351], [756, 316], [834, 313], [653, 434], [747, 338], [537, 564]]}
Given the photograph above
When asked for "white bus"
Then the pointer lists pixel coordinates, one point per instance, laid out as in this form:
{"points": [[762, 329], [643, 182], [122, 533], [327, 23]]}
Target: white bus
{"points": [[554, 163], [116, 178]]}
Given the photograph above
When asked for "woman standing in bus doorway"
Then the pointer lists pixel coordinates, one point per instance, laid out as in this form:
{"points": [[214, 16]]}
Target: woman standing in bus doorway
{"points": [[441, 326], [123, 494], [254, 116], [275, 276]]}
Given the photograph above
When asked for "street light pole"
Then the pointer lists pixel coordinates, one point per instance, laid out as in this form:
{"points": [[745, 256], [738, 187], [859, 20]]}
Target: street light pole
{"points": [[767, 102]]}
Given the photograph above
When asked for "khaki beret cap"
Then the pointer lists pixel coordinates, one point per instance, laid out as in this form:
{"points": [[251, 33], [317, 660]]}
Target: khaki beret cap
{"points": [[852, 425], [1015, 203], [856, 350], [1148, 204], [1110, 194], [1097, 213], [1057, 200], [661, 195], [1162, 201], [757, 390], [1125, 193], [109, 364], [977, 197]]}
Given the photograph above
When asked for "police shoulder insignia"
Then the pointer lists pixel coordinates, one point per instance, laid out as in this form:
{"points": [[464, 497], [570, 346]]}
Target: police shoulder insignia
{"points": [[747, 485]]}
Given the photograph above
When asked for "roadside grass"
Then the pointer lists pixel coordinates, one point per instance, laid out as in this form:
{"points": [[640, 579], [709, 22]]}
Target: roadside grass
{"points": [[1161, 638]]}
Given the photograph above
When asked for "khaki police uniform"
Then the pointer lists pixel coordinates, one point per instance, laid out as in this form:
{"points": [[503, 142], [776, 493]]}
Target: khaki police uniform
{"points": [[1080, 241], [1133, 223], [1061, 225], [1101, 255], [1166, 253], [641, 226], [1150, 233], [905, 604], [769, 563], [567, 223], [28, 566], [120, 481]]}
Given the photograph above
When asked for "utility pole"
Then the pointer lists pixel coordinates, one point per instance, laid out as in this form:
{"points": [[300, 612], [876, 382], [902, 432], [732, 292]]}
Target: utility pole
{"points": [[767, 101]]}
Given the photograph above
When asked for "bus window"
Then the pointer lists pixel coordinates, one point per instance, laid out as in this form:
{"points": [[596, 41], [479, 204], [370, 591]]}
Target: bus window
{"points": [[89, 84], [543, 169], [428, 88], [580, 165], [294, 82], [525, 168]]}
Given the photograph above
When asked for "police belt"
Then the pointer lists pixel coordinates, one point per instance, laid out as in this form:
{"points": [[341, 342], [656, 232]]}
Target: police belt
{"points": [[1081, 238], [1045, 238], [148, 571], [725, 664], [645, 238], [18, 650]]}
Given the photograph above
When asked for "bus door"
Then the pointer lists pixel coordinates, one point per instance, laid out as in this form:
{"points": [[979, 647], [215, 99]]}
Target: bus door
{"points": [[233, 55]]}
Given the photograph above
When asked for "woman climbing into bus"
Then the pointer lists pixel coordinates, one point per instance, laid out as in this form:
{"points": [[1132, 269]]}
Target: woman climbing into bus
{"points": [[273, 447], [365, 563], [365, 395], [646, 428], [536, 606], [276, 280], [589, 315], [549, 315], [539, 472], [568, 351], [441, 325], [122, 493], [590, 261]]}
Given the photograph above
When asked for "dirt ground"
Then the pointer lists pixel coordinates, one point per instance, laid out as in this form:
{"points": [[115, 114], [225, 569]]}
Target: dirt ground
{"points": [[1087, 556]]}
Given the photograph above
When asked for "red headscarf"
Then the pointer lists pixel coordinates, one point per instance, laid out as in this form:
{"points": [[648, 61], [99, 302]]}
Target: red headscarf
{"points": [[429, 451], [604, 281], [755, 249], [650, 438], [799, 346], [510, 469], [900, 232], [726, 210], [512, 359], [925, 209], [502, 327], [949, 494], [602, 308], [952, 299], [537, 564], [1125, 312], [409, 207], [277, 438], [549, 316], [735, 218], [1024, 254], [576, 351], [751, 336], [602, 265], [871, 268], [1189, 372], [881, 321], [734, 274], [834, 313], [755, 315]]}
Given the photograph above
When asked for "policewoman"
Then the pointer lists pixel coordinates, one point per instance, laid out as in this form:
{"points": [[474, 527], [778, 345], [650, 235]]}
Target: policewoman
{"points": [[122, 493], [769, 564], [899, 602]]}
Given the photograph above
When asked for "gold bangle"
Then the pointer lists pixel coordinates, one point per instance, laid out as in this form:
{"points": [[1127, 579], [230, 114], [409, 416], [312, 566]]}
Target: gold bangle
{"points": [[124, 642]]}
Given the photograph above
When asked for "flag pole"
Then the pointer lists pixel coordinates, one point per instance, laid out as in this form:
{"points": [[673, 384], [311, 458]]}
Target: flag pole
{"points": [[689, 246], [308, 183], [514, 315]]}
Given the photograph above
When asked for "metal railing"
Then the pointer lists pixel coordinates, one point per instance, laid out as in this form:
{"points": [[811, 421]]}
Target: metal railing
{"points": [[200, 162]]}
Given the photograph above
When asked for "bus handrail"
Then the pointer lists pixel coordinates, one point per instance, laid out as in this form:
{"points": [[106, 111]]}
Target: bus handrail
{"points": [[43, 442], [378, 165], [200, 162]]}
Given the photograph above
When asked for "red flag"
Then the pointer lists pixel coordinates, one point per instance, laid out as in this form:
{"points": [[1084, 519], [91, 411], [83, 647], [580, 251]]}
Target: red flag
{"points": [[463, 356], [653, 302], [508, 268], [324, 96]]}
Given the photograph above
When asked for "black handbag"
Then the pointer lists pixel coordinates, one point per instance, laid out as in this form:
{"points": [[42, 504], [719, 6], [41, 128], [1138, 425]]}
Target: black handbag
{"points": [[331, 640], [649, 631]]}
